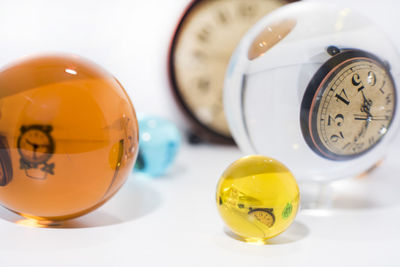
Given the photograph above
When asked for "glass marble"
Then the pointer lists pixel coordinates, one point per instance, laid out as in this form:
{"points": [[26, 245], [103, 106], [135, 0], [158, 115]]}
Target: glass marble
{"points": [[68, 137], [282, 56], [159, 142], [257, 198]]}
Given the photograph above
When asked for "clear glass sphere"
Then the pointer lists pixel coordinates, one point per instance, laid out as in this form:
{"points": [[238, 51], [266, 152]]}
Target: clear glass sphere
{"points": [[314, 86]]}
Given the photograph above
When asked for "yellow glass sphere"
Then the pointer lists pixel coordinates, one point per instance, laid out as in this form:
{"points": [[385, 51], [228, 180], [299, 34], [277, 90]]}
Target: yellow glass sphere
{"points": [[258, 198], [68, 137]]}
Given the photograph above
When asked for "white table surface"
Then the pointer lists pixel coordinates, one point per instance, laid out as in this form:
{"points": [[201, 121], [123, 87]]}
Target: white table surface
{"points": [[173, 221]]}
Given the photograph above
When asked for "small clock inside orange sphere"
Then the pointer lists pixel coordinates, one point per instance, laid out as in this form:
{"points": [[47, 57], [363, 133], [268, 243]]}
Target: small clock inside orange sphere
{"points": [[68, 137]]}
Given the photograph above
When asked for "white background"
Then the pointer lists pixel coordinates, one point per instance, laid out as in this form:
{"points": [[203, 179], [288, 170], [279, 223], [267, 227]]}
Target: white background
{"points": [[172, 221], [129, 38]]}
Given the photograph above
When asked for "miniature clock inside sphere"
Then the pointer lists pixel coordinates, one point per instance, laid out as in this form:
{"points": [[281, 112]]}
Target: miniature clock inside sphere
{"points": [[258, 198], [315, 86], [68, 137]]}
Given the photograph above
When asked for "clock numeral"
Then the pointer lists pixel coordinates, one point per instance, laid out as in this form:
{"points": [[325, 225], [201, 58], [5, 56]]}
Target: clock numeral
{"points": [[356, 81], [371, 78], [335, 138], [247, 11], [342, 97], [388, 99], [371, 140], [358, 147], [338, 120], [223, 17], [381, 89], [204, 34], [203, 84], [347, 145]]}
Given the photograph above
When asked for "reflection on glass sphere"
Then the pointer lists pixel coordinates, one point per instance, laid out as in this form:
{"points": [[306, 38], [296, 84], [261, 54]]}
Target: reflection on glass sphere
{"points": [[307, 85]]}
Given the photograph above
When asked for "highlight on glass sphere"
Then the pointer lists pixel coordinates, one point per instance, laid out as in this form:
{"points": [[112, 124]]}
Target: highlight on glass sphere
{"points": [[309, 85], [257, 198], [68, 137], [159, 143]]}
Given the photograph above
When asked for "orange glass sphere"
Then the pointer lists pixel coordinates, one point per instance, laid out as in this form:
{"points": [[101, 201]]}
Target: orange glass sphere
{"points": [[68, 137]]}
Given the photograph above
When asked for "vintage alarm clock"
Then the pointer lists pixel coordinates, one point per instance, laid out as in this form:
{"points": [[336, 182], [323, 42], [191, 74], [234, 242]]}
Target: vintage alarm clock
{"points": [[202, 45], [314, 86]]}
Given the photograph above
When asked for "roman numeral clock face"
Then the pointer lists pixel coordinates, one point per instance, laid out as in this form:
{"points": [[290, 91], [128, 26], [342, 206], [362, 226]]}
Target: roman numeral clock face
{"points": [[348, 106]]}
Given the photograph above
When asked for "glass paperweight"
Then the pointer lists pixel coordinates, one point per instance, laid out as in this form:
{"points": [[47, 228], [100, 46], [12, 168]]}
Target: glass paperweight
{"points": [[314, 86], [159, 142], [68, 137], [258, 198]]}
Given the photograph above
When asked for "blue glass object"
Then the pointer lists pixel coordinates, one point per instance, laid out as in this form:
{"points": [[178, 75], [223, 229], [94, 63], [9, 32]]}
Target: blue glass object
{"points": [[159, 141]]}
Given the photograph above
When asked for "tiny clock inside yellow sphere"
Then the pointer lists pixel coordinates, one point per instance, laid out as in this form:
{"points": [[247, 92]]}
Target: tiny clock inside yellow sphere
{"points": [[258, 198]]}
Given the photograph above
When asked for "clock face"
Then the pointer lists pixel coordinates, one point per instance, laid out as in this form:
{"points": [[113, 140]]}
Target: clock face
{"points": [[352, 108], [35, 145], [200, 52]]}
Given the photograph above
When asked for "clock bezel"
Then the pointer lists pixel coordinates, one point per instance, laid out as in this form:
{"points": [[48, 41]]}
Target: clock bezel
{"points": [[200, 128], [316, 89]]}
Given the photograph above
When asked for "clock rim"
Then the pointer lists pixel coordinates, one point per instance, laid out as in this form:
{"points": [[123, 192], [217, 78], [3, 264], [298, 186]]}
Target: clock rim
{"points": [[312, 90], [51, 150], [200, 128]]}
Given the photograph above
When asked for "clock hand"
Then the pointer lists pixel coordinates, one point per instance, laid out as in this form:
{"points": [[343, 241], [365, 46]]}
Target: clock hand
{"points": [[365, 107], [370, 118], [30, 143], [364, 129], [34, 145], [367, 121], [35, 148], [367, 102]]}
